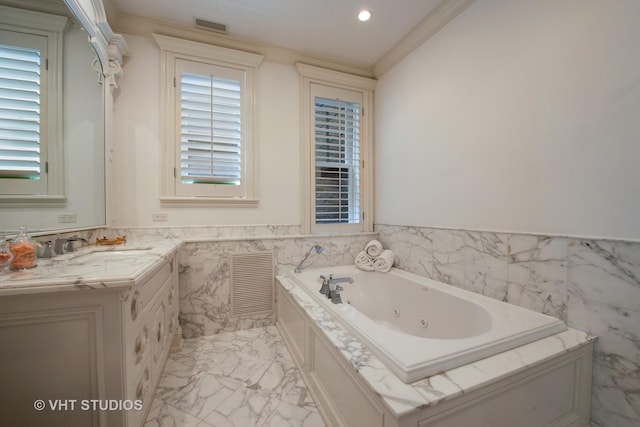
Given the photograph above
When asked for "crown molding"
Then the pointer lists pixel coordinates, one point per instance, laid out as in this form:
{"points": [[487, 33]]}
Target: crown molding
{"points": [[432, 23], [146, 27]]}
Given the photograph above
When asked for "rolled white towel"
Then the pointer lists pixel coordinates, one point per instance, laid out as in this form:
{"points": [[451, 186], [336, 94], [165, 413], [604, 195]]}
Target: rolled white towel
{"points": [[384, 262], [374, 248], [364, 261]]}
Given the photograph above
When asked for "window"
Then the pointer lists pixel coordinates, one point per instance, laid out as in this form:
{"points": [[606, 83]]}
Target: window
{"points": [[20, 117], [337, 189], [337, 157], [209, 123], [30, 107]]}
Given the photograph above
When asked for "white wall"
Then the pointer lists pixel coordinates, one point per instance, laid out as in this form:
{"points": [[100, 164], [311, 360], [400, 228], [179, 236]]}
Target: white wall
{"points": [[137, 157], [517, 116]]}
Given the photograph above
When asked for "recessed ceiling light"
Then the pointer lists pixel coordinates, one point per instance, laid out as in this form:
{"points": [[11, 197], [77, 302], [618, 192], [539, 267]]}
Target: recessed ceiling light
{"points": [[364, 15]]}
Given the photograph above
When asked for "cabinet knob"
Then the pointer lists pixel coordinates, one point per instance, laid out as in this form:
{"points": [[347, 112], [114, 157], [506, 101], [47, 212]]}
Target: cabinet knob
{"points": [[160, 331], [136, 305], [141, 344]]}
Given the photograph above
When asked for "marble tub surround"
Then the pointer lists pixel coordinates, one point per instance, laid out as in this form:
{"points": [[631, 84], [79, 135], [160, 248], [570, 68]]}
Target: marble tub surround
{"points": [[204, 280], [591, 284], [91, 267], [404, 400], [243, 378]]}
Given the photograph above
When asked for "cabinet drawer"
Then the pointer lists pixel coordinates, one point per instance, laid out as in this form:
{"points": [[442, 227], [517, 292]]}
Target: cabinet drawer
{"points": [[143, 295]]}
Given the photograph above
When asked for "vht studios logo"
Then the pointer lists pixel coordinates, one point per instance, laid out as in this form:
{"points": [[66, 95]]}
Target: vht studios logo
{"points": [[87, 405]]}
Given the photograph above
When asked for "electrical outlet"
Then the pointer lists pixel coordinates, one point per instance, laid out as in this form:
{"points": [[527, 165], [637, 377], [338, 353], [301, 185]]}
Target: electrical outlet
{"points": [[67, 218], [159, 217]]}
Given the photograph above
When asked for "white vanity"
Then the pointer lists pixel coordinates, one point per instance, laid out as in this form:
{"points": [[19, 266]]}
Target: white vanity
{"points": [[87, 331]]}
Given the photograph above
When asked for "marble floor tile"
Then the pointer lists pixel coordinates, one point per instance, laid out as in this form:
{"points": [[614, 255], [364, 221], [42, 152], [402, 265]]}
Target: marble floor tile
{"points": [[236, 379]]}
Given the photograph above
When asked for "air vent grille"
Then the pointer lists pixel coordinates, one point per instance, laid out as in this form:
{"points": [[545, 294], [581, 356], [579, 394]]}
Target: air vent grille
{"points": [[251, 275], [211, 26]]}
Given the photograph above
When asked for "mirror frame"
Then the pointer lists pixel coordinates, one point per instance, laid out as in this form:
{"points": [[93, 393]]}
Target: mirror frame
{"points": [[110, 49]]}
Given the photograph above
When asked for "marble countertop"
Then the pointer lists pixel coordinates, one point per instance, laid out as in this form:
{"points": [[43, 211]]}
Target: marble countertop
{"points": [[91, 267], [403, 399]]}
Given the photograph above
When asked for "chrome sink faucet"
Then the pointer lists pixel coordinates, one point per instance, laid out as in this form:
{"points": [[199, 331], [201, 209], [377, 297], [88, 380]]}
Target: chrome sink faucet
{"points": [[63, 245]]}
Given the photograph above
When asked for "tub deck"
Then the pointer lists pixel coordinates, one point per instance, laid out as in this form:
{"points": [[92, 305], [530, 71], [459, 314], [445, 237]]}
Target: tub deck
{"points": [[460, 327], [405, 404]]}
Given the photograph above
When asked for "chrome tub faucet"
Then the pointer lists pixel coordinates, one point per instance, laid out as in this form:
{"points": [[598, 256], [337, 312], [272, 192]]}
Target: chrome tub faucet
{"points": [[331, 289]]}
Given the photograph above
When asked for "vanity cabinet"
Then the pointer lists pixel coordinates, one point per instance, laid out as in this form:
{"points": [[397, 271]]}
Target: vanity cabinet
{"points": [[90, 357]]}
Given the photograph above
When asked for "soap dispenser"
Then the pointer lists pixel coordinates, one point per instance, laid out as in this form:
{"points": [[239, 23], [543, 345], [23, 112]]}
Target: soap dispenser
{"points": [[23, 248]]}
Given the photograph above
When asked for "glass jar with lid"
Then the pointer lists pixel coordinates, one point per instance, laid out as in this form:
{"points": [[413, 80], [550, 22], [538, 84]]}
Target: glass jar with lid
{"points": [[23, 248]]}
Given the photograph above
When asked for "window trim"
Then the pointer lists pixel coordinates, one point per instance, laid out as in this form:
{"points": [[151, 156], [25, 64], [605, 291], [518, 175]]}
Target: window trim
{"points": [[311, 75], [172, 49], [52, 27]]}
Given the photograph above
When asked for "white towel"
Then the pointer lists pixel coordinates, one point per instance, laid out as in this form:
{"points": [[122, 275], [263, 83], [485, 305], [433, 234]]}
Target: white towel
{"points": [[384, 262], [364, 261], [373, 248]]}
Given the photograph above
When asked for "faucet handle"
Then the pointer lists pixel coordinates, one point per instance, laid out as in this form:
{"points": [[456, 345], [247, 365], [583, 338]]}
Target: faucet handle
{"points": [[325, 285], [46, 250]]}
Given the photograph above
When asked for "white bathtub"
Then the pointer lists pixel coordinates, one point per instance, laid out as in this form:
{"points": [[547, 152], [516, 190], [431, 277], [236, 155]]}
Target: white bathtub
{"points": [[419, 327]]}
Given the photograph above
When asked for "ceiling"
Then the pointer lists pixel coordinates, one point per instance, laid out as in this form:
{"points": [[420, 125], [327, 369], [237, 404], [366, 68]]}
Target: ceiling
{"points": [[324, 28]]}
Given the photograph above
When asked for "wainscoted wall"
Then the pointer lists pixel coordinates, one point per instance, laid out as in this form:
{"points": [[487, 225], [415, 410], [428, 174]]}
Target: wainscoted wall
{"points": [[593, 285], [204, 262]]}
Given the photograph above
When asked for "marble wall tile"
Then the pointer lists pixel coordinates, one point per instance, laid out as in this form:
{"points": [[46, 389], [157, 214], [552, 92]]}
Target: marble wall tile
{"points": [[604, 299], [207, 232], [593, 285], [448, 257], [412, 248], [486, 263], [537, 276], [204, 284]]}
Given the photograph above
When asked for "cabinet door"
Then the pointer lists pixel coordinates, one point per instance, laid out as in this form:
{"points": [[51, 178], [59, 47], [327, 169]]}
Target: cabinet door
{"points": [[62, 349]]}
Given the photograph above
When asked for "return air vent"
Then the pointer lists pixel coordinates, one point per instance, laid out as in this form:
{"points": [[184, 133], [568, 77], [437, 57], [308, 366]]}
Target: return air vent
{"points": [[251, 275], [211, 26]]}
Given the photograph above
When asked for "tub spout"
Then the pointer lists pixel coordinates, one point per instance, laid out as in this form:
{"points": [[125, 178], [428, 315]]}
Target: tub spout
{"points": [[339, 279]]}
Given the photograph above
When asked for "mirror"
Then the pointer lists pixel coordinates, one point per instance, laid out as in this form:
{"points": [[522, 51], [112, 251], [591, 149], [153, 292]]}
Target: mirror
{"points": [[83, 173]]}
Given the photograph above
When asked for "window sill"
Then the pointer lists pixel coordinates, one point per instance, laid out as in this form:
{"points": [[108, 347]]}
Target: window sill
{"points": [[19, 201], [209, 201]]}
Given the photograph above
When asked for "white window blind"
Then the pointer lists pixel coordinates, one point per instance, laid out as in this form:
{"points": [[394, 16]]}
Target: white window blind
{"points": [[337, 161], [20, 100], [210, 130], [211, 137]]}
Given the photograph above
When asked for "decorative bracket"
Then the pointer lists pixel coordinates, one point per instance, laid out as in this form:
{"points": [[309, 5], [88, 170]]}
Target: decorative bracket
{"points": [[117, 49]]}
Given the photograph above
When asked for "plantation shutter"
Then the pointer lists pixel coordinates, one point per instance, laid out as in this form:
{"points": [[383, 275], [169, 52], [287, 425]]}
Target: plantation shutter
{"points": [[210, 131], [20, 74], [337, 161]]}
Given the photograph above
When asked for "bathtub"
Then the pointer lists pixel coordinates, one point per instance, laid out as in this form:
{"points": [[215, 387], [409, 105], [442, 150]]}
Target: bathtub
{"points": [[419, 327]]}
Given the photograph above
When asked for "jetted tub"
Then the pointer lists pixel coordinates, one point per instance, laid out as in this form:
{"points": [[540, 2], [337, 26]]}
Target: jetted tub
{"points": [[419, 327]]}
